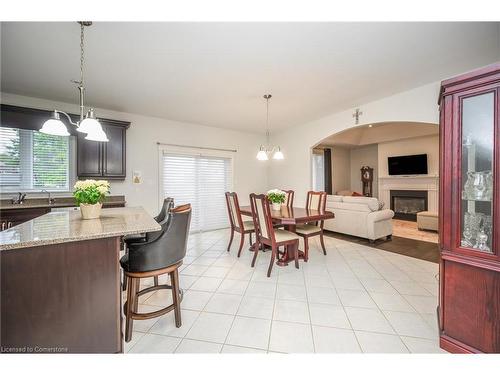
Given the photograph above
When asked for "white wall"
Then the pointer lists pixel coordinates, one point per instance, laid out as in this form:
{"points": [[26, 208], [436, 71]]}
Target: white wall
{"points": [[360, 157], [341, 169], [250, 175], [421, 145], [416, 105]]}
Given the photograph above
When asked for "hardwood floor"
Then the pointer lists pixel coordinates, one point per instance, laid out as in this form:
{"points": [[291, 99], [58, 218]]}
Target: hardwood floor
{"points": [[405, 246], [408, 229]]}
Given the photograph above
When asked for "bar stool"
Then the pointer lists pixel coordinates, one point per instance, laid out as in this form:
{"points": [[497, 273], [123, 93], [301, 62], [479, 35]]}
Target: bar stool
{"points": [[168, 204], [162, 255]]}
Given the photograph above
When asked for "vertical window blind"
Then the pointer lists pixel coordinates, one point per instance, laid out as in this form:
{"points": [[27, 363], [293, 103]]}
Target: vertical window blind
{"points": [[30, 160], [200, 180]]}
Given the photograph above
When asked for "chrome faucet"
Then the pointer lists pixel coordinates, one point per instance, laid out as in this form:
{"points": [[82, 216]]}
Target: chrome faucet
{"points": [[19, 199], [49, 199]]}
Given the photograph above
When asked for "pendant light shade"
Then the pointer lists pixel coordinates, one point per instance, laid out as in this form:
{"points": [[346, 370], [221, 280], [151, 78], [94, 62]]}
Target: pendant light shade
{"points": [[97, 135], [89, 124], [278, 155], [54, 126], [262, 154]]}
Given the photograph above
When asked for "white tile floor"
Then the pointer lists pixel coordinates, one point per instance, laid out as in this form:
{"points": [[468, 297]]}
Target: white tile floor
{"points": [[355, 299]]}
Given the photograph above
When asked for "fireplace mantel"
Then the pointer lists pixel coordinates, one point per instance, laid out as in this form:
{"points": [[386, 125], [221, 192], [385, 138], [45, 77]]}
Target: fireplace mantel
{"points": [[429, 183]]}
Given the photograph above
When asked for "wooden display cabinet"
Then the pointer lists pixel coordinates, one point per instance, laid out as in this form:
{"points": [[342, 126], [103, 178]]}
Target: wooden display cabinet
{"points": [[469, 212]]}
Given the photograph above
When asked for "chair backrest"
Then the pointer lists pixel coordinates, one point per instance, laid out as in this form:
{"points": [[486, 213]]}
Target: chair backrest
{"points": [[233, 209], [168, 203], [289, 197], [163, 217], [168, 248], [262, 219], [316, 200]]}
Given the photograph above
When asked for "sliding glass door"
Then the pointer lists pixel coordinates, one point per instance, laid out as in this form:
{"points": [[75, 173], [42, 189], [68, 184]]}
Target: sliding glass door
{"points": [[200, 180]]}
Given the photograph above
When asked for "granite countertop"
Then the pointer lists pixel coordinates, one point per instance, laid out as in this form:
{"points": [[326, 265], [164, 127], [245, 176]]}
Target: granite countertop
{"points": [[68, 226], [6, 204]]}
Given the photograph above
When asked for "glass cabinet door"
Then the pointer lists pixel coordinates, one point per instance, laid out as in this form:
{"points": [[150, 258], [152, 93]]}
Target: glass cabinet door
{"points": [[477, 172]]}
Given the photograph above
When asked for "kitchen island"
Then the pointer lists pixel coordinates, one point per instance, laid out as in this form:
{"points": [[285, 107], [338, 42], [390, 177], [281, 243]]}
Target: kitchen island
{"points": [[60, 281]]}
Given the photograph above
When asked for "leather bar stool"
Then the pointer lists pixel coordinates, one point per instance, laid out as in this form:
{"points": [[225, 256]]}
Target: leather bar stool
{"points": [[162, 255], [168, 204]]}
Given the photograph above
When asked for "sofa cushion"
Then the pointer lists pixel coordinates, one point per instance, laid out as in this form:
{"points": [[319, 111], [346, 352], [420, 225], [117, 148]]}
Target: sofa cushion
{"points": [[348, 206], [334, 198], [344, 193], [372, 203]]}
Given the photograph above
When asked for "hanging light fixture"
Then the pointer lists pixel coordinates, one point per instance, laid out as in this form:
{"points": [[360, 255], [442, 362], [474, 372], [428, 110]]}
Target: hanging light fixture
{"points": [[265, 151], [88, 123]]}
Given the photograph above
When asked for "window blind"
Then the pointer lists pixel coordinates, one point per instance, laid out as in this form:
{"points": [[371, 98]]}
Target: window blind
{"points": [[30, 160], [201, 181]]}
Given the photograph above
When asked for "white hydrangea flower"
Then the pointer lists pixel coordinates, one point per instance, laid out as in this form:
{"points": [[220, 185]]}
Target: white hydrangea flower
{"points": [[102, 189]]}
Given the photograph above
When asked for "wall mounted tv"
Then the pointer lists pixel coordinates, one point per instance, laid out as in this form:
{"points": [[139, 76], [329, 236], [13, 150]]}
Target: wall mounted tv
{"points": [[407, 165]]}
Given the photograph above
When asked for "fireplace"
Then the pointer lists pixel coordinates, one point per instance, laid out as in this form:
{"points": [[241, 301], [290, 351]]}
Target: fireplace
{"points": [[406, 203]]}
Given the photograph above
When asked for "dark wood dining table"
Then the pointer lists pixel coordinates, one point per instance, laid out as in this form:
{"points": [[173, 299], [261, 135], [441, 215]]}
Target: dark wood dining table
{"points": [[290, 217]]}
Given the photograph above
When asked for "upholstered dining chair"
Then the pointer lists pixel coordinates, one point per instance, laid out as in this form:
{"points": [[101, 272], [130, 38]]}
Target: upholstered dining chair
{"points": [[236, 221], [266, 234], [168, 204], [316, 200], [161, 255]]}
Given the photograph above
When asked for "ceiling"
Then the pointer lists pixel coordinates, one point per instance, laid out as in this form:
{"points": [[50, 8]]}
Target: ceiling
{"points": [[378, 133], [216, 73]]}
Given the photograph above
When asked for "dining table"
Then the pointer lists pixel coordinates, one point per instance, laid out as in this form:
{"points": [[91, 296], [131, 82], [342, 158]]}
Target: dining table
{"points": [[289, 217]]}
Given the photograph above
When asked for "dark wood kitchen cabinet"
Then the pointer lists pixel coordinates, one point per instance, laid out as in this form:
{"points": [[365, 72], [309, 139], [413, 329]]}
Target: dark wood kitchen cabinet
{"points": [[469, 212], [104, 159]]}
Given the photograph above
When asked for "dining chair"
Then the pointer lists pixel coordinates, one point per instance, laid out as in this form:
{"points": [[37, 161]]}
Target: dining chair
{"points": [[236, 221], [168, 204], [162, 255], [316, 200], [266, 234], [289, 194]]}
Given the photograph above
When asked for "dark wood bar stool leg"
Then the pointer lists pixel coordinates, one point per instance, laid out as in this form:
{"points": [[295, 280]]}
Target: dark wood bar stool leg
{"points": [[131, 303], [174, 278], [125, 282]]}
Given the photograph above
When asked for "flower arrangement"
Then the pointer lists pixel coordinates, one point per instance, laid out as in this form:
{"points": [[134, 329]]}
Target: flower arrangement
{"points": [[276, 197], [89, 195], [91, 191]]}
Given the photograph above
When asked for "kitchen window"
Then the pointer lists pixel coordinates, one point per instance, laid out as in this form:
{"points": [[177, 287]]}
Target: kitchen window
{"points": [[31, 161], [200, 179]]}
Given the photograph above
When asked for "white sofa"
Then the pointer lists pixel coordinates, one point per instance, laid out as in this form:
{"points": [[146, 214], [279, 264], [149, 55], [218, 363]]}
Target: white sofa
{"points": [[359, 216]]}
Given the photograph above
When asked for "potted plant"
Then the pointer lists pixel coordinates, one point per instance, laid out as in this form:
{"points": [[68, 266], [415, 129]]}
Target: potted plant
{"points": [[89, 195], [277, 198]]}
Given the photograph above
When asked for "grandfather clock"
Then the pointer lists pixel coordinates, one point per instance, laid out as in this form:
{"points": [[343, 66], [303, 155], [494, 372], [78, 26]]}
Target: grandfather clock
{"points": [[367, 180]]}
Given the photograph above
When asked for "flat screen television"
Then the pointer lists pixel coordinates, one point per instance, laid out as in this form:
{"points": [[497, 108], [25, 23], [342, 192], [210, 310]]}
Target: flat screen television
{"points": [[408, 165]]}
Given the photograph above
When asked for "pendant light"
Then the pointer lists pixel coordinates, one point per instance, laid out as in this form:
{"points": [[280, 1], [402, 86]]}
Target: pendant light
{"points": [[265, 151], [88, 123]]}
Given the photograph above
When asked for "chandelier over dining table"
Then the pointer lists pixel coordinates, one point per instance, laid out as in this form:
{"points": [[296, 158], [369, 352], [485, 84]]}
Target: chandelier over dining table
{"points": [[266, 150], [87, 123]]}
